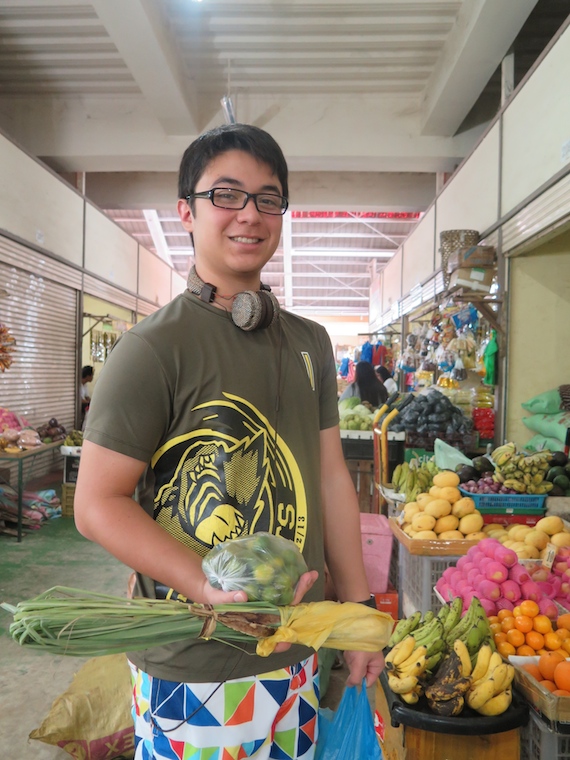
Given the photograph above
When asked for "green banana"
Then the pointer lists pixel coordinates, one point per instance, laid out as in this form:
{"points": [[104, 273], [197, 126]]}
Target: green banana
{"points": [[404, 627], [429, 633], [454, 616], [443, 613], [428, 617]]}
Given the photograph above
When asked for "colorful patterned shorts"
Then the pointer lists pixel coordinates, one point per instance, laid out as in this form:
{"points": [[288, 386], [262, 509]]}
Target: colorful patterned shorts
{"points": [[273, 715]]}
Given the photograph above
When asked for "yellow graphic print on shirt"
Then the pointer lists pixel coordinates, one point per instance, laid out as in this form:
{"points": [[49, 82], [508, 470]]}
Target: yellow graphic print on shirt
{"points": [[231, 476]]}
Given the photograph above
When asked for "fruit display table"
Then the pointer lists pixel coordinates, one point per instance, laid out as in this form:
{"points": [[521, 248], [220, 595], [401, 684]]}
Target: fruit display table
{"points": [[468, 736], [27, 455]]}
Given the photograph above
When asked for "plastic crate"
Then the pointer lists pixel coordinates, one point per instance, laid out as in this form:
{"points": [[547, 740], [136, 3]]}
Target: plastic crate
{"points": [[417, 576], [67, 496], [507, 503], [538, 742]]}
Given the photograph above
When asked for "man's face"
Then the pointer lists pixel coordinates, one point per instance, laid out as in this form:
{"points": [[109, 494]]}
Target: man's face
{"points": [[232, 244]]}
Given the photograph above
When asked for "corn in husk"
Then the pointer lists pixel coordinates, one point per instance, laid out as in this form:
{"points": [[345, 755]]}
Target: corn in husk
{"points": [[86, 624]]}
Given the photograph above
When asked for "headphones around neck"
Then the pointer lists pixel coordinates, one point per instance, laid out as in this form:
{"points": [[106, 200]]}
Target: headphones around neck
{"points": [[251, 309]]}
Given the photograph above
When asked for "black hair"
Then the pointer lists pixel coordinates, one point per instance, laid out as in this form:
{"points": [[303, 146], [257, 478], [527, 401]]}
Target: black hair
{"points": [[370, 387], [213, 143], [384, 372], [86, 372]]}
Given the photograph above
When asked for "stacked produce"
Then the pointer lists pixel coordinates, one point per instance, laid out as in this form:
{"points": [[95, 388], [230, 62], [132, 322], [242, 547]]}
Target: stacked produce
{"points": [[513, 472], [442, 513], [355, 414], [52, 431], [559, 474], [552, 669], [530, 542], [451, 660], [432, 413], [413, 478], [493, 573], [73, 438]]}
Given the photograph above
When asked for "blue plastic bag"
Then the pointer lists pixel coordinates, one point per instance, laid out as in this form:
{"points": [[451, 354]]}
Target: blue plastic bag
{"points": [[348, 733]]}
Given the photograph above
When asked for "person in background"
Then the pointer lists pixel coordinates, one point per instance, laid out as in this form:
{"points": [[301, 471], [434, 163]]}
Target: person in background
{"points": [[367, 386], [223, 430], [389, 382], [86, 378]]}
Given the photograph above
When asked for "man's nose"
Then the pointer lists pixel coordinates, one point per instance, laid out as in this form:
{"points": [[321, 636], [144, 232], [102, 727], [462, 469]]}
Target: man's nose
{"points": [[250, 210]]}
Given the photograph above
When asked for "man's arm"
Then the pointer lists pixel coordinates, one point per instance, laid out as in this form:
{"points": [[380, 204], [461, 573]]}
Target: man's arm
{"points": [[343, 545]]}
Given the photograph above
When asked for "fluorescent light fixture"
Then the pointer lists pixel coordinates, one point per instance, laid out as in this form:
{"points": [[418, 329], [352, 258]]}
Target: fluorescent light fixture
{"points": [[228, 109]]}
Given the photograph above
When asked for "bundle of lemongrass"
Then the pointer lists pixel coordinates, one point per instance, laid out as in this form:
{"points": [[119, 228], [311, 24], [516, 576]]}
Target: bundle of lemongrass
{"points": [[86, 624]]}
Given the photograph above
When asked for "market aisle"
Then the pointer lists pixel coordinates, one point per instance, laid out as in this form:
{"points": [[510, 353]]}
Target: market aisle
{"points": [[54, 555]]}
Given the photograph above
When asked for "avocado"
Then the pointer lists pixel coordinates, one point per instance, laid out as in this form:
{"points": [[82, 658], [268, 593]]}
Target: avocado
{"points": [[482, 464], [467, 473], [556, 491], [562, 482], [559, 459], [555, 472]]}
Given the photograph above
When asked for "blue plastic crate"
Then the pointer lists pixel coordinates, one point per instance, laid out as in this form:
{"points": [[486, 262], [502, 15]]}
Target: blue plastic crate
{"points": [[507, 503]]}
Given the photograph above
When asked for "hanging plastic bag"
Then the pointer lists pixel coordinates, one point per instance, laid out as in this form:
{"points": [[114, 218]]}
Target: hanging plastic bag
{"points": [[348, 733]]}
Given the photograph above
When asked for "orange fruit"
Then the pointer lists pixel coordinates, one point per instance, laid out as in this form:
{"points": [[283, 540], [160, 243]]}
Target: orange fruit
{"points": [[542, 624], [534, 639], [533, 669], [505, 649], [542, 651], [526, 651], [563, 633], [517, 611], [547, 664], [566, 646], [500, 638], [507, 624], [493, 619], [496, 627], [564, 621], [552, 641], [561, 693], [562, 675], [530, 608], [516, 638], [523, 623], [550, 685], [502, 614]]}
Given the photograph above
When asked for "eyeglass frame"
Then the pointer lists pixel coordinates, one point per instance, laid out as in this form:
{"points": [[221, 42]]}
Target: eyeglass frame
{"points": [[210, 195]]}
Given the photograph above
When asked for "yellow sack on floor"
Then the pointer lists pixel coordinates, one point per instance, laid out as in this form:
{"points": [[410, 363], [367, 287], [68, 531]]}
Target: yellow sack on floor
{"points": [[92, 719]]}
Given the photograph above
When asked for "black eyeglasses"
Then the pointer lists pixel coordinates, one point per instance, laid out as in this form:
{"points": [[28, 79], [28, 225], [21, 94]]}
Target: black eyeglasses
{"points": [[227, 197]]}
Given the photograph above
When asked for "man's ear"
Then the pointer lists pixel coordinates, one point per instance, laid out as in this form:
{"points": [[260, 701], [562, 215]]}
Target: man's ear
{"points": [[185, 214]]}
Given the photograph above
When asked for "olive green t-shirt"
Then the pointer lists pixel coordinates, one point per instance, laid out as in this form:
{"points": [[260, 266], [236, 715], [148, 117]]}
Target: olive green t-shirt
{"points": [[228, 422]]}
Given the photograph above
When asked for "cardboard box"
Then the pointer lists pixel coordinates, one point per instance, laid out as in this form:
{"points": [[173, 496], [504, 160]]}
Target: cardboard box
{"points": [[474, 256], [476, 279], [70, 469], [388, 601]]}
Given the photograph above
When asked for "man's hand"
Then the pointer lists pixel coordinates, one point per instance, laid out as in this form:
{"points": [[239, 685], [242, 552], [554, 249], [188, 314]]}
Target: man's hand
{"points": [[303, 585], [361, 665]]}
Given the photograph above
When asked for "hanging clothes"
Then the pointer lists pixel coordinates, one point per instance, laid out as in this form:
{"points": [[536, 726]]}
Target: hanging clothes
{"points": [[366, 352], [379, 354]]}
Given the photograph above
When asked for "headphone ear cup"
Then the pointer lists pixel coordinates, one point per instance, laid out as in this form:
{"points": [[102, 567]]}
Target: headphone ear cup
{"points": [[253, 310]]}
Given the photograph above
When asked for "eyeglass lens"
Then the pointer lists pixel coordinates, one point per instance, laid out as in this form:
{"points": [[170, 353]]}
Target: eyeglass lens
{"points": [[237, 199]]}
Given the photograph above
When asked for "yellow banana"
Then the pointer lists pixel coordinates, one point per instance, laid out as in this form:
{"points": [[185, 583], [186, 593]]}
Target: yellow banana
{"points": [[410, 697], [482, 664], [494, 661], [401, 685], [497, 705], [463, 653], [499, 678], [412, 659], [477, 697], [401, 651], [416, 668]]}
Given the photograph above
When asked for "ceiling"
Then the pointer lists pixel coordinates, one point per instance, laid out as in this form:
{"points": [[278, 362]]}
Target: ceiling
{"points": [[375, 103]]}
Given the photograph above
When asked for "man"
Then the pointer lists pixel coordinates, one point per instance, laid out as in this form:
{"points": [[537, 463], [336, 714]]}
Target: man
{"points": [[86, 378], [225, 407]]}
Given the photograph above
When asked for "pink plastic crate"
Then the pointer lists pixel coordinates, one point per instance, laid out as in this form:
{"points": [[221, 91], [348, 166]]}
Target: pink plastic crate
{"points": [[376, 550]]}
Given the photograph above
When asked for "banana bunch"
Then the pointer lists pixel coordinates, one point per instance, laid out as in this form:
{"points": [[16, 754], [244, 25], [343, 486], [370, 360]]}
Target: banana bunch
{"points": [[413, 480], [472, 629], [446, 693], [405, 664], [490, 692], [524, 474]]}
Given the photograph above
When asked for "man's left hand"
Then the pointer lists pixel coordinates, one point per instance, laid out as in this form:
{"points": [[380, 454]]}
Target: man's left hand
{"points": [[361, 665]]}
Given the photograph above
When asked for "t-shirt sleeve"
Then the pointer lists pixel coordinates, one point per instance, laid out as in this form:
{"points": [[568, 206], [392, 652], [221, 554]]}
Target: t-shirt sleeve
{"points": [[329, 390], [130, 409]]}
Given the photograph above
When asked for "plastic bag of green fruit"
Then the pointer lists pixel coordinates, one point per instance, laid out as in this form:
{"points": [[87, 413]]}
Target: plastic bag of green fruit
{"points": [[265, 566]]}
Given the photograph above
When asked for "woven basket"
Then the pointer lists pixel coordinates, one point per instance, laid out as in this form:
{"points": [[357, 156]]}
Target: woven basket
{"points": [[450, 241]]}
